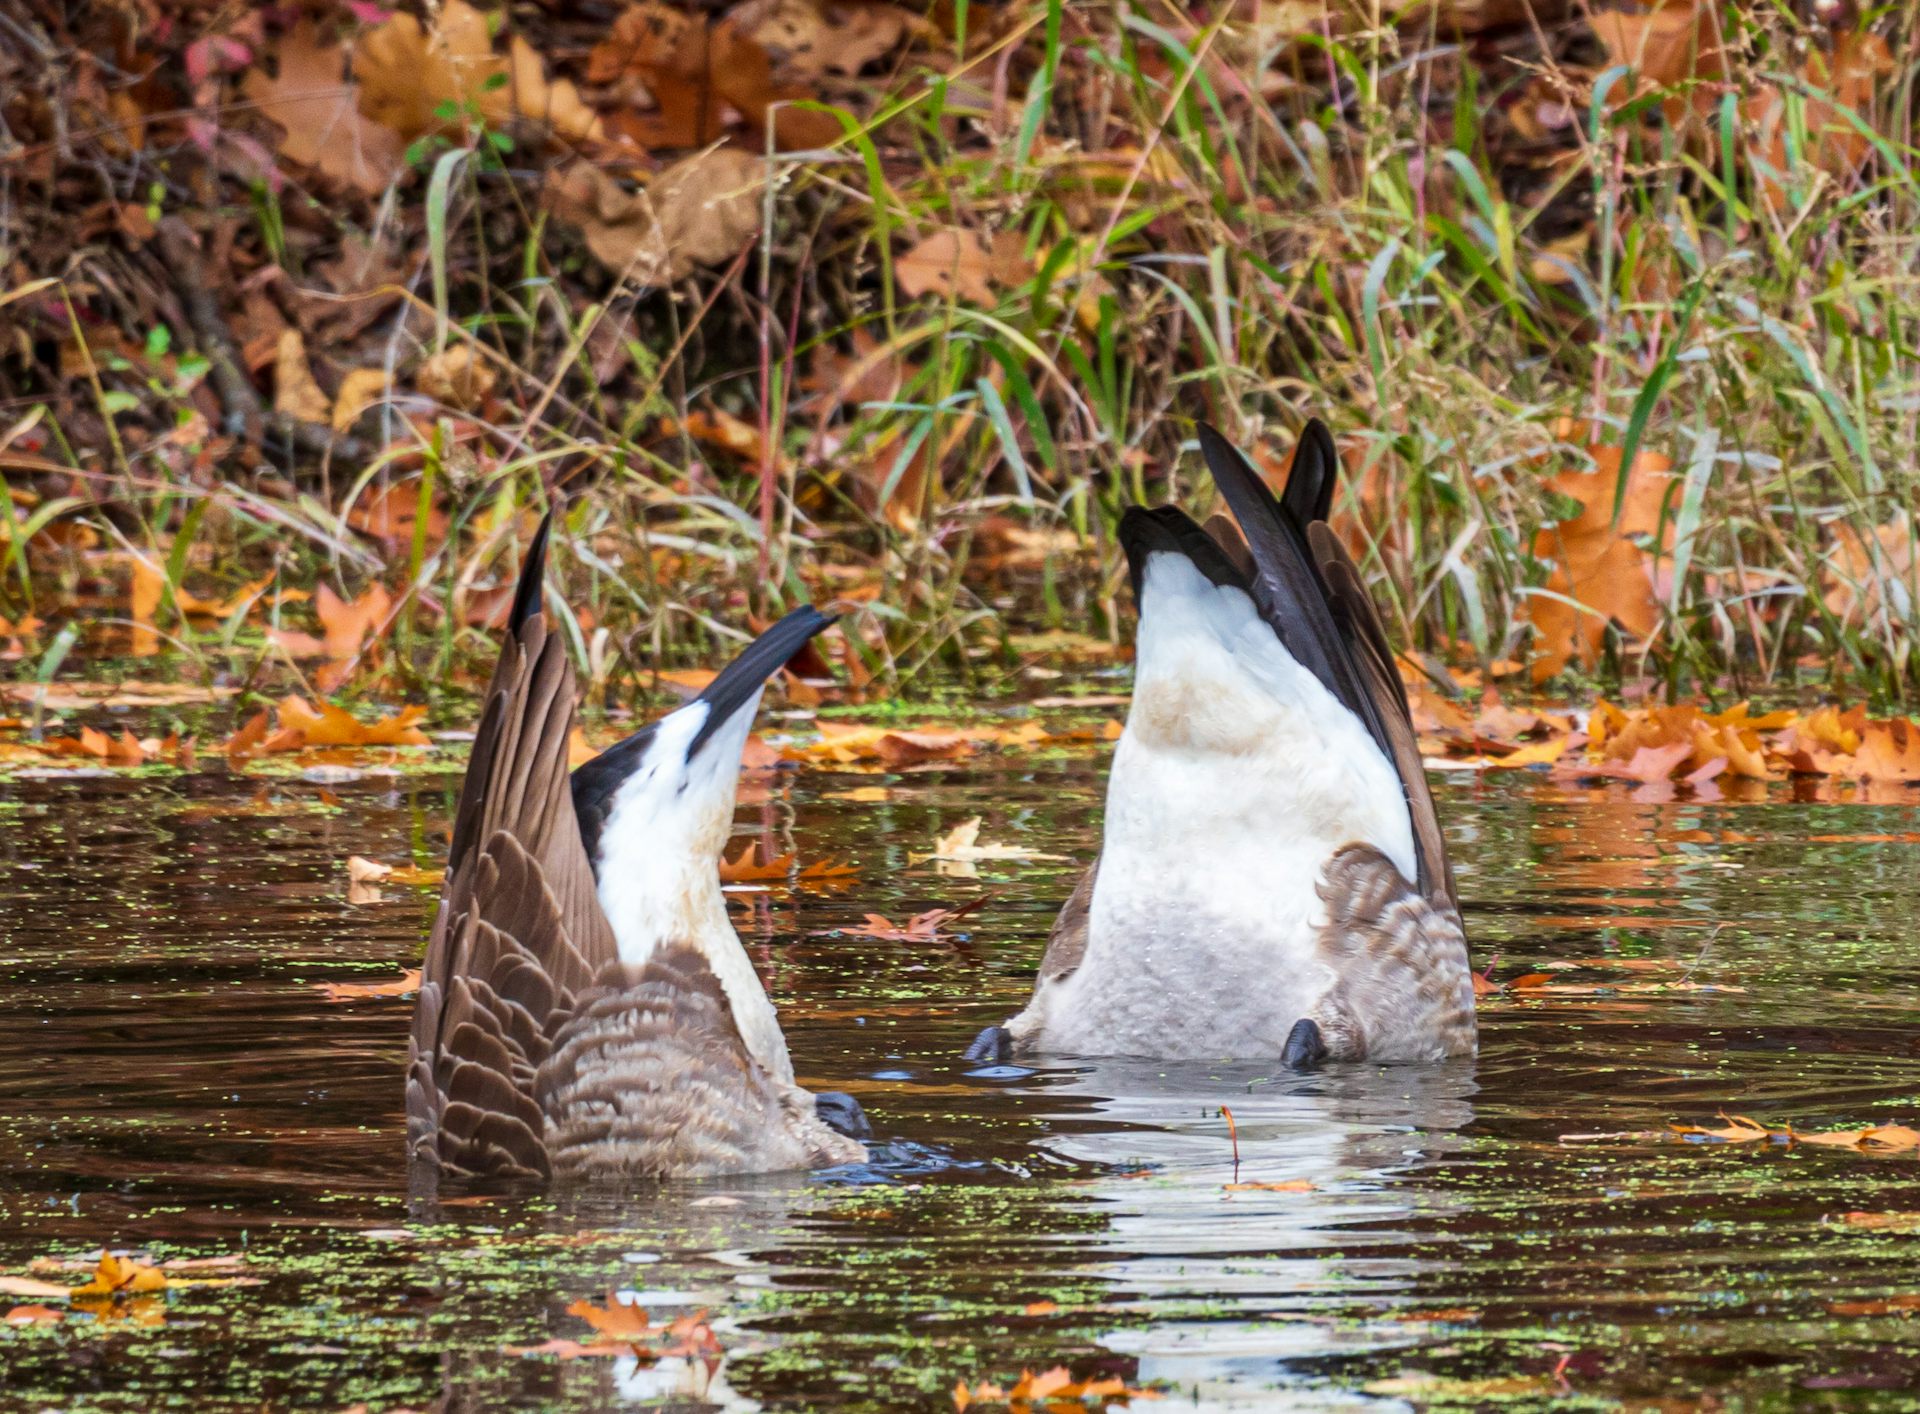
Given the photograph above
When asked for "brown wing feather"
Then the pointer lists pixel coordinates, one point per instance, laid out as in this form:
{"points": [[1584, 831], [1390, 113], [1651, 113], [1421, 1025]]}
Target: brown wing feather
{"points": [[1353, 609], [649, 1077], [1067, 943], [1404, 988], [519, 934]]}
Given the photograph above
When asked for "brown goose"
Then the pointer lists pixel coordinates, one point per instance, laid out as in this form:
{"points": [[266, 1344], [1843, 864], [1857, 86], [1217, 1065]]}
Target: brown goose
{"points": [[586, 1009], [1272, 880]]}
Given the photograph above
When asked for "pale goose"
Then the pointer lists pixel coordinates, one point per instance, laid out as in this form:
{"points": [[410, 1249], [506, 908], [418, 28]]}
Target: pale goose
{"points": [[1272, 880], [586, 1010]]}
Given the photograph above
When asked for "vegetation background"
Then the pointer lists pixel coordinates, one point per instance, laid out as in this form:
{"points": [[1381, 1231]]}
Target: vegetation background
{"points": [[306, 309]]}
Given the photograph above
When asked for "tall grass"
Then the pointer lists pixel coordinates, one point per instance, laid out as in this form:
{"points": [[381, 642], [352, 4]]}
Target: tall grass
{"points": [[1377, 224]]}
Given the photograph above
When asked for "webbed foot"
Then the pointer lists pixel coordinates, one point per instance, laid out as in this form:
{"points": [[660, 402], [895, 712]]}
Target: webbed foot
{"points": [[840, 1112], [993, 1046], [1306, 1048]]}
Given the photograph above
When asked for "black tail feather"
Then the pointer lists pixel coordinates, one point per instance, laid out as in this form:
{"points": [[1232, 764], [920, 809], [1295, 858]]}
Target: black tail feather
{"points": [[1316, 470], [533, 577], [1145, 531]]}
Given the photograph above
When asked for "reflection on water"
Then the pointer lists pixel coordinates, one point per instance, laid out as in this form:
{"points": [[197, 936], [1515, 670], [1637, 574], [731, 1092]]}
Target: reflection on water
{"points": [[1521, 1227]]}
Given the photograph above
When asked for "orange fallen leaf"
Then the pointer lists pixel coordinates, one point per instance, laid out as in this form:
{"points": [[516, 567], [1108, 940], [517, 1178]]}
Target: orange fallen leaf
{"points": [[921, 928], [406, 984], [143, 595], [118, 1275], [350, 624], [303, 724], [361, 870], [34, 1316], [1597, 561], [1040, 1308], [1884, 1222], [1291, 1185], [744, 871], [617, 1319], [1738, 1129]]}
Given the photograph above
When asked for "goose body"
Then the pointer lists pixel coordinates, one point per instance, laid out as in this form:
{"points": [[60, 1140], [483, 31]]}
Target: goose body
{"points": [[1272, 878], [586, 1010]]}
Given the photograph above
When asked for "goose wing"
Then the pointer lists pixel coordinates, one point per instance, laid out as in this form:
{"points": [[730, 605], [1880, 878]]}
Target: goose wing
{"points": [[1308, 589], [520, 932]]}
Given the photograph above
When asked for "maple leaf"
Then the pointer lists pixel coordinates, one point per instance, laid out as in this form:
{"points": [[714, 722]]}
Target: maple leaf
{"points": [[618, 1319], [1596, 562], [118, 1276]]}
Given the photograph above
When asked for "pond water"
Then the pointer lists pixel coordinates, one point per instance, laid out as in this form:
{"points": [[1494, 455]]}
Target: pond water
{"points": [[176, 1081]]}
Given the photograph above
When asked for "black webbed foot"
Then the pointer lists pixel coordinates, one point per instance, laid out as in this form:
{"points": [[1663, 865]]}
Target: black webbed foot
{"points": [[1306, 1048], [993, 1046], [839, 1111]]}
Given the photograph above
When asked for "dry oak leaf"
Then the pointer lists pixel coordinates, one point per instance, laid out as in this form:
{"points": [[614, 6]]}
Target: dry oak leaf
{"points": [[318, 109], [406, 73], [1668, 46], [303, 724], [294, 391], [962, 844], [958, 263], [1597, 561], [699, 211]]}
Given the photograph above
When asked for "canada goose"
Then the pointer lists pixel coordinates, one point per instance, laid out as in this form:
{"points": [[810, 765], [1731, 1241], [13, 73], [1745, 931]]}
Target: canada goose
{"points": [[1273, 880], [586, 1009]]}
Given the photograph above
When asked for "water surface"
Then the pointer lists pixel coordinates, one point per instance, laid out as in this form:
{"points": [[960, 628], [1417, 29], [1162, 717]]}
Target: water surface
{"points": [[1522, 1228]]}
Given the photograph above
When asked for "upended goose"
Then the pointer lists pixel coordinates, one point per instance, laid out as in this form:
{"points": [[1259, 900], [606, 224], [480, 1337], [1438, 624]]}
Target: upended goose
{"points": [[1273, 880], [586, 1009]]}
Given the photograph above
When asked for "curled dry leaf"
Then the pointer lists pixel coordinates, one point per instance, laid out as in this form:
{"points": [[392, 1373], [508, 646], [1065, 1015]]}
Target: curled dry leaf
{"points": [[961, 845], [699, 211], [359, 390], [294, 391], [456, 376]]}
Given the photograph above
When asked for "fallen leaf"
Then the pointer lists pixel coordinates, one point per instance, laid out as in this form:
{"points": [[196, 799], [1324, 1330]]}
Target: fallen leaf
{"points": [[1598, 563], [1041, 1308], [410, 76], [1738, 1129], [699, 211], [921, 928], [32, 1286], [744, 871], [317, 109], [361, 389], [1291, 1185], [1885, 1222], [457, 377], [349, 625], [145, 588], [35, 1316], [958, 263], [294, 391], [1884, 1306], [618, 1319], [118, 1276], [405, 985], [361, 870], [960, 845]]}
